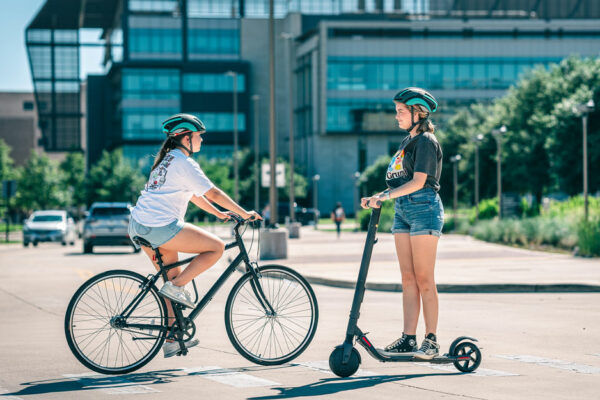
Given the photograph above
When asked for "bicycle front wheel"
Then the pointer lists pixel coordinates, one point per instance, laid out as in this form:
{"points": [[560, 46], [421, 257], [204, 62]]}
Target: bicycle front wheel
{"points": [[265, 338], [98, 335]]}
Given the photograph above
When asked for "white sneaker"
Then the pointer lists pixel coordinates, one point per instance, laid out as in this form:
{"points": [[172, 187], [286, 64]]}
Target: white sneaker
{"points": [[172, 348], [428, 350], [176, 294]]}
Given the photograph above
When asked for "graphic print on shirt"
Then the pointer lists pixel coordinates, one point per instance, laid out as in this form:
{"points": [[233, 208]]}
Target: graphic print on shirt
{"points": [[159, 175], [395, 169]]}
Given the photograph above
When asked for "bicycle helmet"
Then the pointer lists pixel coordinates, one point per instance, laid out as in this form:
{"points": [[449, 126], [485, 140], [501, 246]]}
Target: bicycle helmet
{"points": [[414, 96], [180, 124], [183, 124]]}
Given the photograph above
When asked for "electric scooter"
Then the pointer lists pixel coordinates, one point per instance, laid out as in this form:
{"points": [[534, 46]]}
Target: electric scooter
{"points": [[345, 358]]}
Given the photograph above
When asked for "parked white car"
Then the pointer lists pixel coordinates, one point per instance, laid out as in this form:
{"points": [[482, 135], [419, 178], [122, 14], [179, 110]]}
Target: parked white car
{"points": [[49, 226]]}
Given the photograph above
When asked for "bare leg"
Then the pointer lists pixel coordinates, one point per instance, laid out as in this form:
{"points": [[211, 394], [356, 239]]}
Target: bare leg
{"points": [[411, 300], [424, 250], [192, 239], [168, 257]]}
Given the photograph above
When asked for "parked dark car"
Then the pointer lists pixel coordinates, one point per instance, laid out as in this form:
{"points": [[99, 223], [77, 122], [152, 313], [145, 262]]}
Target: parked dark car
{"points": [[106, 225]]}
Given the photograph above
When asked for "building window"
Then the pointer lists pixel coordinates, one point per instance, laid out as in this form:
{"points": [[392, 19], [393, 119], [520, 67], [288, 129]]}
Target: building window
{"points": [[149, 96], [155, 37], [28, 106], [212, 83], [213, 38]]}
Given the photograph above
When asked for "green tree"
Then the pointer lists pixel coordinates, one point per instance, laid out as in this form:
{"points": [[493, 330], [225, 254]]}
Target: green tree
{"points": [[73, 174], [372, 179], [39, 184], [7, 169], [113, 179]]}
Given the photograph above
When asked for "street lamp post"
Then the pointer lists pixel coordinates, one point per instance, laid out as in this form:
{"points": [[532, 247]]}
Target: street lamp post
{"points": [[477, 141], [255, 99], [272, 137], [356, 200], [316, 179], [289, 39], [585, 110], [236, 177], [454, 160], [498, 133]]}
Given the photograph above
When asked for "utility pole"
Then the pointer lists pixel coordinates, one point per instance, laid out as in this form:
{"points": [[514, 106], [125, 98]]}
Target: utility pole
{"points": [[498, 133], [255, 99], [236, 177], [272, 142]]}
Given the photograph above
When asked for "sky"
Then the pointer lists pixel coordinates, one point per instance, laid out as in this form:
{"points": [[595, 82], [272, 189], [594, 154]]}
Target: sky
{"points": [[15, 75]]}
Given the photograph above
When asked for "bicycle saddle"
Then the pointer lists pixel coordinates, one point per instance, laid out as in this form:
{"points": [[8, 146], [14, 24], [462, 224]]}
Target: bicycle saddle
{"points": [[142, 242]]}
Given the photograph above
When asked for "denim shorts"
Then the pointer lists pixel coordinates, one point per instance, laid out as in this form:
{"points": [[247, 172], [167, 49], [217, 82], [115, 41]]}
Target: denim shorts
{"points": [[156, 235], [419, 213]]}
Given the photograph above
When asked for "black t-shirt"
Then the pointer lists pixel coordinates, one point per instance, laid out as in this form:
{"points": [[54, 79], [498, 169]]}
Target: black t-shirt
{"points": [[422, 153]]}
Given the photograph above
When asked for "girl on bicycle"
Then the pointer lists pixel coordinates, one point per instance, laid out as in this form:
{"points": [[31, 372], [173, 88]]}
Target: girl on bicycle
{"points": [[413, 178], [158, 216]]}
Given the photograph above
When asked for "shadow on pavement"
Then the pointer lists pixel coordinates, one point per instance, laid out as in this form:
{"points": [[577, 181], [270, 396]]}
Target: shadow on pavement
{"points": [[112, 253], [335, 385], [93, 381]]}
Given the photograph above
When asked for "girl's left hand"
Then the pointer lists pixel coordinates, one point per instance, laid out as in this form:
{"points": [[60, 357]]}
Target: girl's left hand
{"points": [[373, 202], [224, 217], [253, 216]]}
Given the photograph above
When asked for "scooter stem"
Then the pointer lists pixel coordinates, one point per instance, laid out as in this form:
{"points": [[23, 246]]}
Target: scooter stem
{"points": [[362, 276]]}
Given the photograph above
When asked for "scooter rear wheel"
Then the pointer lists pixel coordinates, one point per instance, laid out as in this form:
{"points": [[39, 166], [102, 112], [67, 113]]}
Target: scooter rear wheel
{"points": [[340, 369], [467, 349]]}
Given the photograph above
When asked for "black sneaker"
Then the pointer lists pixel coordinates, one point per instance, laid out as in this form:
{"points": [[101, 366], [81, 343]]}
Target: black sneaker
{"points": [[429, 349], [404, 344]]}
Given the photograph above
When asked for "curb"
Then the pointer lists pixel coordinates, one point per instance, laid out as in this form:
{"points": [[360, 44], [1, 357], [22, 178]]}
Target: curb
{"points": [[468, 288]]}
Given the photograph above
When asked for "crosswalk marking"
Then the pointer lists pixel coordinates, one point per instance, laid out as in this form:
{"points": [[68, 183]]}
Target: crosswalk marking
{"points": [[109, 384], [323, 366], [229, 377], [559, 364], [3, 395], [478, 371]]}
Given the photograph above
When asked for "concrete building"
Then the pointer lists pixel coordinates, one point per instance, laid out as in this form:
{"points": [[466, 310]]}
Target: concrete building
{"points": [[340, 68], [18, 124]]}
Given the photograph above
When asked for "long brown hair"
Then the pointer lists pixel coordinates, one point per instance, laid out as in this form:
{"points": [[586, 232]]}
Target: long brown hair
{"points": [[425, 125], [168, 145]]}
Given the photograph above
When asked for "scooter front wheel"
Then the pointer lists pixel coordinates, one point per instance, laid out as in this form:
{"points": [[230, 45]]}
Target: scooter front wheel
{"points": [[338, 367], [469, 357]]}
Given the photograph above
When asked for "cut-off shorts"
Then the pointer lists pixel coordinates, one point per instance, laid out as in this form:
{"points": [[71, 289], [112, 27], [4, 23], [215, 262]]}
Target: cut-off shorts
{"points": [[419, 213], [156, 235]]}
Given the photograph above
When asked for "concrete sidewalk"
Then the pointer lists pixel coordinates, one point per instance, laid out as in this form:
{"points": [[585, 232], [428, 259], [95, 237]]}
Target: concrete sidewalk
{"points": [[464, 265]]}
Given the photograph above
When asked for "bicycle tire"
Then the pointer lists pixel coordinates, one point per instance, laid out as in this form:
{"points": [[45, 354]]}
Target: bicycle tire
{"points": [[106, 302], [273, 281]]}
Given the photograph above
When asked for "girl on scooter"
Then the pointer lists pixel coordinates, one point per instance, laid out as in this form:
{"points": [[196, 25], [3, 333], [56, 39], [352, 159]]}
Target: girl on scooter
{"points": [[413, 181]]}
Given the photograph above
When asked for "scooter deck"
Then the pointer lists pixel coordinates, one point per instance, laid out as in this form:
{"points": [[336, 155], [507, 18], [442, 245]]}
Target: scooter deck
{"points": [[386, 356]]}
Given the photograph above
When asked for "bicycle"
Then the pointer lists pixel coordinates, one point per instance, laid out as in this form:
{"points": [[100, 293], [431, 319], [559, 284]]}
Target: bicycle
{"points": [[117, 322]]}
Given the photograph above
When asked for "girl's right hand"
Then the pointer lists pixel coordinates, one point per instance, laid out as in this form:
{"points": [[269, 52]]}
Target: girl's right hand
{"points": [[364, 202]]}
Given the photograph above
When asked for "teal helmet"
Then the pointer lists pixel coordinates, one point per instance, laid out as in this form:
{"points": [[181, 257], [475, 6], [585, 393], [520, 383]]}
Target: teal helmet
{"points": [[180, 124], [412, 96]]}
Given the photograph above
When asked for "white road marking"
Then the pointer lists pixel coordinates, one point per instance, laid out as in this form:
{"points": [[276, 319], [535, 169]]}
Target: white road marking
{"points": [[323, 366], [110, 384], [229, 377], [478, 371], [559, 364], [4, 397], [596, 354]]}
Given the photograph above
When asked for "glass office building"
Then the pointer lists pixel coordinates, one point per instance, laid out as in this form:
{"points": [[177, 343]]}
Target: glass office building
{"points": [[338, 72]]}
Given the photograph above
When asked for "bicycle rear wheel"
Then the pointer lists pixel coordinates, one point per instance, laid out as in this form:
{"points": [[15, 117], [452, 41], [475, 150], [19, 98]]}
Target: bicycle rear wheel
{"points": [[272, 339], [97, 340]]}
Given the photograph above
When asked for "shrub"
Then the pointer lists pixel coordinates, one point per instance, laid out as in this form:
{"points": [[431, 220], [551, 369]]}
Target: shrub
{"points": [[588, 235], [488, 209]]}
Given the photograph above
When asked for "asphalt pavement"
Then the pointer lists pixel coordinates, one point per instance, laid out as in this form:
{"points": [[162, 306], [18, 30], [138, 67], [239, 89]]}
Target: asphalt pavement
{"points": [[535, 345]]}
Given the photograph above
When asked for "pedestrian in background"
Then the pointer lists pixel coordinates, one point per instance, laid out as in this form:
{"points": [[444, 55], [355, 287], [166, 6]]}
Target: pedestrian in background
{"points": [[413, 180], [338, 216]]}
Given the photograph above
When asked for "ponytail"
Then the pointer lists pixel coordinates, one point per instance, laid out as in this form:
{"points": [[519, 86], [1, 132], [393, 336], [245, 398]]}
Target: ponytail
{"points": [[166, 147], [425, 124]]}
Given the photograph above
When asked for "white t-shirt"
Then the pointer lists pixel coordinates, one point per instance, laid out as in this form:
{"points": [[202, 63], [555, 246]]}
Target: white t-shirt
{"points": [[169, 189]]}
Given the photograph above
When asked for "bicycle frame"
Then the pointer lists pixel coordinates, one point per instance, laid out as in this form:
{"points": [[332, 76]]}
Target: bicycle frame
{"points": [[241, 257]]}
